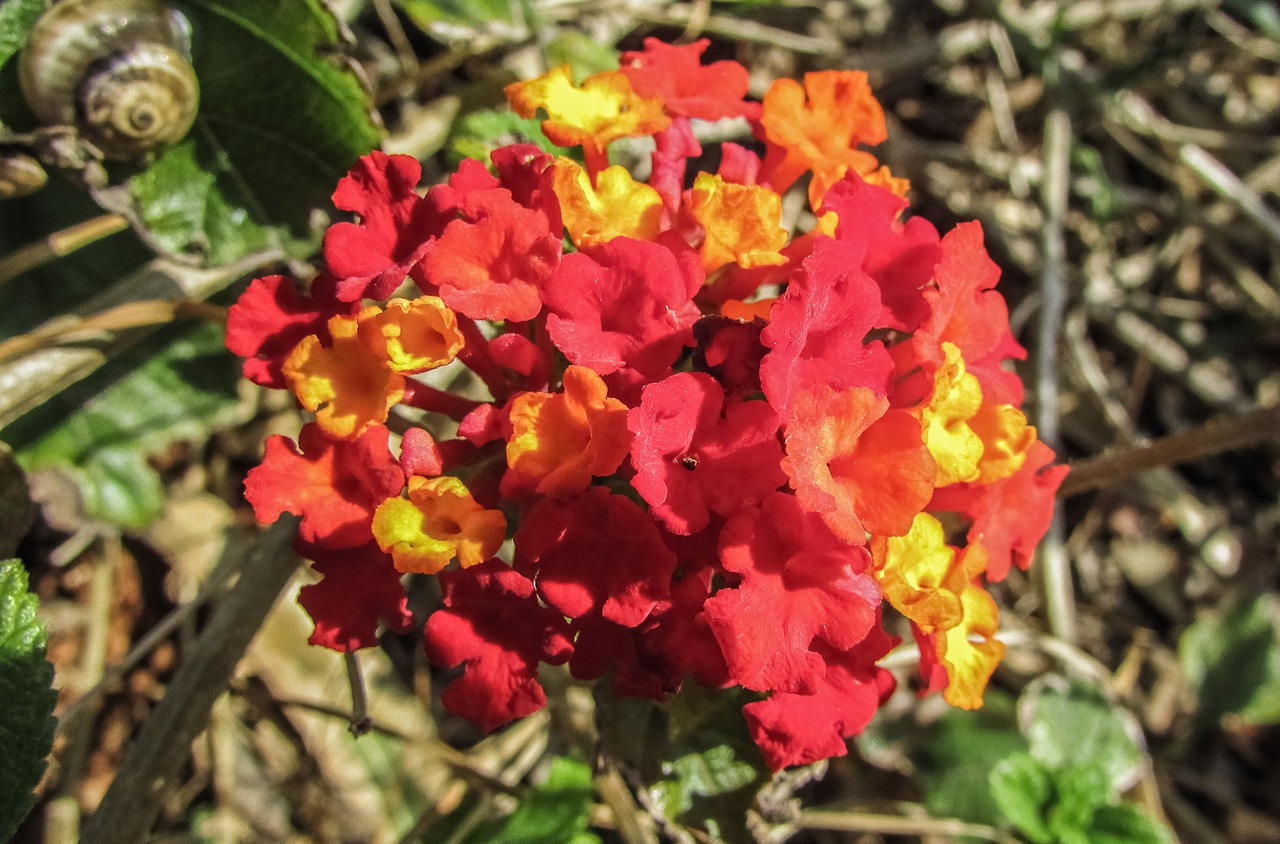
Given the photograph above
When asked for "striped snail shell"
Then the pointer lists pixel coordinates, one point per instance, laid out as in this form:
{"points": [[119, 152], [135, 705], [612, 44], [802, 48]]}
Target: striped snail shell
{"points": [[20, 175], [117, 70]]}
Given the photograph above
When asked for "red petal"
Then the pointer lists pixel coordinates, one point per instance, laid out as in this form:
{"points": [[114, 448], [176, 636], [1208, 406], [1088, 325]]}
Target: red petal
{"points": [[360, 586], [800, 584], [493, 625], [333, 485]]}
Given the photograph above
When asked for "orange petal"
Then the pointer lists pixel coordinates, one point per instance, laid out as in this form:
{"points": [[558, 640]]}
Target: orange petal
{"points": [[347, 386], [412, 336], [561, 440], [816, 127], [859, 463], [438, 522], [617, 206], [742, 223], [1006, 439]]}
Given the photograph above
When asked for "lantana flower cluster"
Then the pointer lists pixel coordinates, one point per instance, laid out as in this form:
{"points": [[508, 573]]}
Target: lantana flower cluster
{"points": [[717, 449]]}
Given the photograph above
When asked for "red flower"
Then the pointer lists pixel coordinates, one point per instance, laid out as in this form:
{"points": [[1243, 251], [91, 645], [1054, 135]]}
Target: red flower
{"points": [[800, 584], [360, 586], [816, 329], [494, 627], [596, 553], [796, 729], [899, 256], [694, 456], [602, 645], [333, 485], [676, 75], [626, 304], [966, 310], [730, 349], [1011, 515], [490, 263], [375, 256], [270, 318]]}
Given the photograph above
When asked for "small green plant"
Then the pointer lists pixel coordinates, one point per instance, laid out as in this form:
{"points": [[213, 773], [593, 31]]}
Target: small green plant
{"points": [[26, 718]]}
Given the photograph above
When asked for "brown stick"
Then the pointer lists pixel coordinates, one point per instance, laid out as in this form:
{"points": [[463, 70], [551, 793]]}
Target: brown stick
{"points": [[1213, 437]]}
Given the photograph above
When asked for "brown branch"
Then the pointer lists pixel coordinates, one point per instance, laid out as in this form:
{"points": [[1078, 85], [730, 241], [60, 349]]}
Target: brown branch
{"points": [[1213, 437]]}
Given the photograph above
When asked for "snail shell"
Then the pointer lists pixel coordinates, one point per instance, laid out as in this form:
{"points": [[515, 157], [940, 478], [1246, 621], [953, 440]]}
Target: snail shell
{"points": [[117, 70], [20, 175]]}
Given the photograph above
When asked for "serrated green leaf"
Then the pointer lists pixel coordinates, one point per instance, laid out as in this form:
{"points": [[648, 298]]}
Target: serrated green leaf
{"points": [[186, 212], [1233, 662], [16, 19], [167, 390], [1023, 790], [954, 757], [1081, 790], [1078, 727], [555, 812], [26, 718], [698, 762], [1126, 824]]}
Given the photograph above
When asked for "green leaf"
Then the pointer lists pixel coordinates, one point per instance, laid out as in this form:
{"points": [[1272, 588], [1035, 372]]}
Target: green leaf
{"points": [[26, 718], [16, 20], [186, 212], [165, 391], [481, 132], [954, 757], [1081, 791], [453, 21], [1023, 790], [1233, 662], [698, 762], [584, 54], [1126, 824], [1077, 726], [555, 812]]}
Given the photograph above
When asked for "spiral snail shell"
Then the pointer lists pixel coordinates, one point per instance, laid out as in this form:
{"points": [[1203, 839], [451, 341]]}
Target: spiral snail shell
{"points": [[117, 70]]}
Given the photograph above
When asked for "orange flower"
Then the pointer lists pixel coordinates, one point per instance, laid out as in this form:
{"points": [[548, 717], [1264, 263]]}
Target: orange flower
{"points": [[412, 336], [560, 440], [742, 223], [747, 311], [348, 386], [438, 522], [1006, 439], [599, 112], [858, 463], [617, 206], [816, 127]]}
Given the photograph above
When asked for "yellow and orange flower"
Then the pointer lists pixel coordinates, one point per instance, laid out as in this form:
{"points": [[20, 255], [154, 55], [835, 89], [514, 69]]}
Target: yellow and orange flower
{"points": [[439, 521], [560, 440]]}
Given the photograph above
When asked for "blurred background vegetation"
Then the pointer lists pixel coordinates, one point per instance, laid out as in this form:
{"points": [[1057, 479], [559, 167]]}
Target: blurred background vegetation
{"points": [[1124, 159]]}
